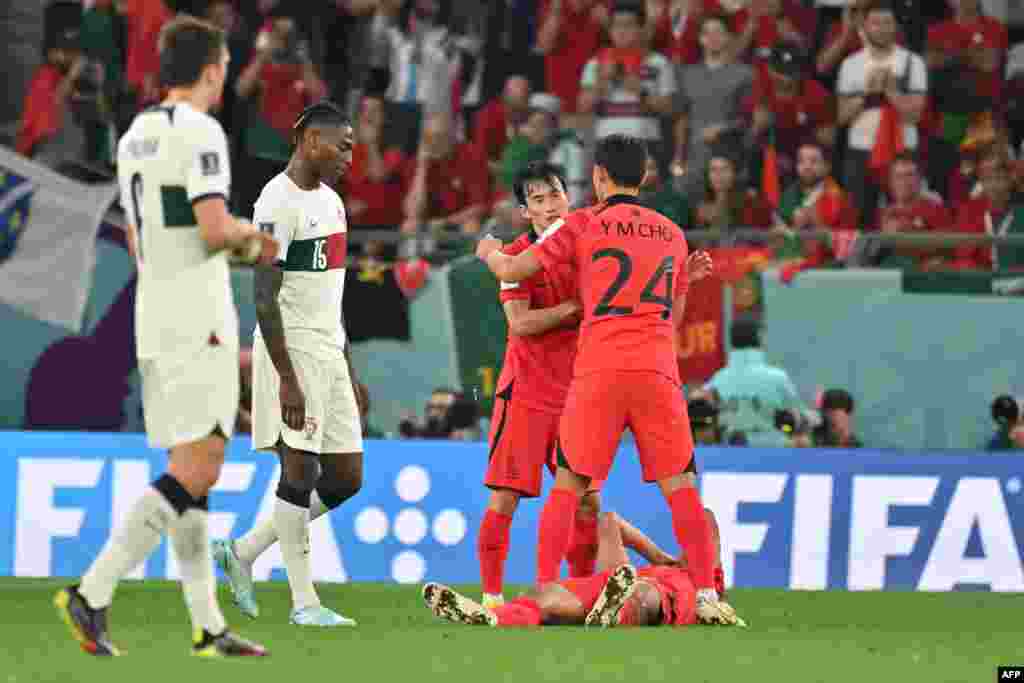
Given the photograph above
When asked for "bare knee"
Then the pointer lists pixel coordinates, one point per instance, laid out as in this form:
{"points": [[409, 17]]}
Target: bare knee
{"points": [[340, 479], [504, 502], [196, 465]]}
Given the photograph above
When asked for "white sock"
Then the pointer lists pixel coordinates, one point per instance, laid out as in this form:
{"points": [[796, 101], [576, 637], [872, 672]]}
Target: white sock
{"points": [[145, 525], [263, 535], [292, 523], [191, 540]]}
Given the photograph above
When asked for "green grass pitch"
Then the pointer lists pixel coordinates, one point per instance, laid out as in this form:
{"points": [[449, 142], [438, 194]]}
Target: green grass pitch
{"points": [[794, 636]]}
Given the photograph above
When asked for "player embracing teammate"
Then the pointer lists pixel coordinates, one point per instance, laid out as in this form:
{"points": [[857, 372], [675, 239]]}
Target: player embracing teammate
{"points": [[629, 263]]}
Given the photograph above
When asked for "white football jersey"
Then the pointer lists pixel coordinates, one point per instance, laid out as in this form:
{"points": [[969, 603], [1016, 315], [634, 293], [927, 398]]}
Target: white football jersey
{"points": [[311, 230], [171, 157]]}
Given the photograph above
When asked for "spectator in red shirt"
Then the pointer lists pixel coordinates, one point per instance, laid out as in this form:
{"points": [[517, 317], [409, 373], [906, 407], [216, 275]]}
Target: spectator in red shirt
{"points": [[570, 34], [792, 106], [976, 43], [498, 121], [145, 19], [993, 212], [449, 188], [49, 93], [766, 22], [378, 175], [909, 208], [676, 27], [284, 76]]}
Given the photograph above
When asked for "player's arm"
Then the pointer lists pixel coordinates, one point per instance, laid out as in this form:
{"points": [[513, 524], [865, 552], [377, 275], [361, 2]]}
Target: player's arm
{"points": [[638, 541], [524, 321], [507, 268], [208, 180], [556, 246]]}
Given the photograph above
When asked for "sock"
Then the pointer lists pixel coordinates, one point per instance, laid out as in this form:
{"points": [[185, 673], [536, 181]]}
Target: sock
{"points": [[492, 549], [254, 543], [719, 579], [143, 527], [556, 523], [191, 538], [291, 520], [519, 612], [582, 555], [693, 534]]}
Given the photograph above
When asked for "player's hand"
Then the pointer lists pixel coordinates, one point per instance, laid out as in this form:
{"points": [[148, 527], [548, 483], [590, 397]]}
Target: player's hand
{"points": [[487, 246], [255, 248], [699, 265], [293, 403]]}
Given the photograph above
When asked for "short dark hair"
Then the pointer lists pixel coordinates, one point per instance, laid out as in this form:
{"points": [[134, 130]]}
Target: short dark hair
{"points": [[536, 172], [624, 157], [633, 7], [323, 113], [187, 46], [837, 399], [745, 333]]}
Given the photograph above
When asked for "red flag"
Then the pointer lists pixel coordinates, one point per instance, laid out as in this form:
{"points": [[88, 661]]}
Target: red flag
{"points": [[700, 336], [770, 188], [888, 142]]}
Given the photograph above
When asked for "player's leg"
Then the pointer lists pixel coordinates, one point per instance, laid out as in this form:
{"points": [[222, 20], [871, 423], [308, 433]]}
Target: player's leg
{"points": [[521, 439], [493, 542], [589, 432], [582, 554], [659, 420], [611, 550]]}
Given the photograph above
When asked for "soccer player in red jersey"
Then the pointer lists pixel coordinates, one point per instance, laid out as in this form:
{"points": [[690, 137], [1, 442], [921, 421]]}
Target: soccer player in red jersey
{"points": [[660, 594], [629, 263], [543, 321]]}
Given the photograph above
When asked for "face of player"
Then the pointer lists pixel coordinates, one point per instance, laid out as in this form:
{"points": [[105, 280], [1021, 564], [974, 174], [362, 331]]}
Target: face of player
{"points": [[905, 181], [624, 30], [714, 37], [840, 422], [810, 166], [721, 176], [329, 150], [880, 28], [546, 202]]}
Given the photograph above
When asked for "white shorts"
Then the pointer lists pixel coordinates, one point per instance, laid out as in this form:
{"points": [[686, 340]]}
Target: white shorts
{"points": [[332, 414], [188, 395]]}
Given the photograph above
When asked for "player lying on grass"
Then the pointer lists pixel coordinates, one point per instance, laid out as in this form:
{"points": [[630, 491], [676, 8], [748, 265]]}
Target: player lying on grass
{"points": [[543, 320], [662, 593]]}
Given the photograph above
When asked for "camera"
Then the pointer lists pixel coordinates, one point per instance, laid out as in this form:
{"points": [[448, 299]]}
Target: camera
{"points": [[704, 421], [792, 422], [439, 423], [1006, 411]]}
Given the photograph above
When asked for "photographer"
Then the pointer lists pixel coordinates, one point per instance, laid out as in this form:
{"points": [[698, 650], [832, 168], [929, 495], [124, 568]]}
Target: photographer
{"points": [[448, 415], [704, 422], [65, 119], [836, 428], [1007, 413]]}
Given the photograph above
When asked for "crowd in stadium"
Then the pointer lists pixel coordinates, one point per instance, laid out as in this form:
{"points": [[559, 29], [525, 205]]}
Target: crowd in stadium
{"points": [[767, 120]]}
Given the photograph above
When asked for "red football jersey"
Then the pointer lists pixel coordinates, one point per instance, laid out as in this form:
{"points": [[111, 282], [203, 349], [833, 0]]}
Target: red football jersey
{"points": [[631, 267], [678, 594], [540, 364]]}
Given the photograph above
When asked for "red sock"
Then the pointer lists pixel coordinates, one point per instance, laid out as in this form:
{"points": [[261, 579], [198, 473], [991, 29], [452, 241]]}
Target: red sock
{"points": [[719, 577], [556, 523], [492, 549], [582, 555], [519, 612], [693, 534]]}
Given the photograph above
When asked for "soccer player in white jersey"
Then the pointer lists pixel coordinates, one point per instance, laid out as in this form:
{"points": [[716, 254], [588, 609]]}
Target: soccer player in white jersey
{"points": [[174, 176], [304, 395]]}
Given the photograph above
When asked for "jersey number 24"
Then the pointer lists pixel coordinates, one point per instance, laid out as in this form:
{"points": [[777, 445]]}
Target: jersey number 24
{"points": [[662, 274]]}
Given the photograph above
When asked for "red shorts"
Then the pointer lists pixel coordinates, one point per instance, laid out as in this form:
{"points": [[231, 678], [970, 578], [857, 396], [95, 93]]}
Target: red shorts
{"points": [[522, 441], [587, 588], [602, 404]]}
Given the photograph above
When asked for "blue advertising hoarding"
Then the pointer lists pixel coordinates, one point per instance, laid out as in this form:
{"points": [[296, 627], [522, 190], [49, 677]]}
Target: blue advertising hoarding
{"points": [[800, 519]]}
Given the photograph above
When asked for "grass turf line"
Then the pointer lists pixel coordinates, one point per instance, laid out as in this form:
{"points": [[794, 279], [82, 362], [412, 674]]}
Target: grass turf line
{"points": [[794, 636]]}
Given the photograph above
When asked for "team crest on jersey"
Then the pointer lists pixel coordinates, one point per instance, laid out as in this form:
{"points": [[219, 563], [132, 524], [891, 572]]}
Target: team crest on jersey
{"points": [[310, 427], [209, 163]]}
